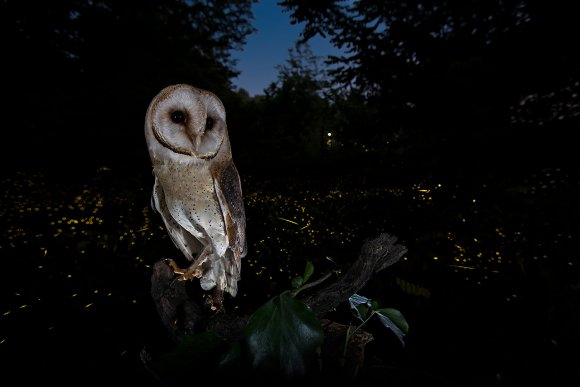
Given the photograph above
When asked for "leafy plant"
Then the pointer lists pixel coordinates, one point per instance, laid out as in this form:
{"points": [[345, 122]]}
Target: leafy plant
{"points": [[298, 281], [284, 334], [194, 354], [282, 337], [364, 309]]}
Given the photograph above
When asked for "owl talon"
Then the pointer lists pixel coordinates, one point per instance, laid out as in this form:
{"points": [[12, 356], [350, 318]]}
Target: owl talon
{"points": [[190, 273], [184, 274], [184, 277], [176, 269]]}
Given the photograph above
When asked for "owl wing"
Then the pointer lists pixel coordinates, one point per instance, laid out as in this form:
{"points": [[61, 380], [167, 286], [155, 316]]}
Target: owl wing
{"points": [[229, 192], [182, 239]]}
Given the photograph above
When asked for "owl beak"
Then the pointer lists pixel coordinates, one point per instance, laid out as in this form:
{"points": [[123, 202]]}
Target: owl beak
{"points": [[197, 142]]}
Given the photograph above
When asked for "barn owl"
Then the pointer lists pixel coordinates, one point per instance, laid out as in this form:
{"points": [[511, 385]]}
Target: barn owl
{"points": [[197, 188]]}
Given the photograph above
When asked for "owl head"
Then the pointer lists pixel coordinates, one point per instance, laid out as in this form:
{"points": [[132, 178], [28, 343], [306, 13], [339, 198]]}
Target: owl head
{"points": [[184, 121]]}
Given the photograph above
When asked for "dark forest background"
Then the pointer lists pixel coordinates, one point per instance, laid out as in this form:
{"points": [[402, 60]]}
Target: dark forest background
{"points": [[449, 123], [455, 86]]}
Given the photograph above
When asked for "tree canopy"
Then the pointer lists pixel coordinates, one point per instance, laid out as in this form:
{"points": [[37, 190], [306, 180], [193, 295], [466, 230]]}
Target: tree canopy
{"points": [[418, 81], [93, 66], [450, 74]]}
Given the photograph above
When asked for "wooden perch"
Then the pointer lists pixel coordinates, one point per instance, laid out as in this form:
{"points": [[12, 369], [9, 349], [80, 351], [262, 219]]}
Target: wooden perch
{"points": [[376, 254], [177, 311], [181, 314]]}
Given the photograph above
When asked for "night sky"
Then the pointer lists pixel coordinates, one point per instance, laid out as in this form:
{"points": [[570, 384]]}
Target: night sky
{"points": [[268, 47]]}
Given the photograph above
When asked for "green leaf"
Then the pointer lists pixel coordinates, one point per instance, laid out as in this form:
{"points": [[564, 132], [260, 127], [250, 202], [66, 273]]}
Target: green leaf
{"points": [[283, 336], [359, 306], [308, 270], [297, 282], [395, 316], [233, 353], [232, 357], [195, 353], [362, 312], [394, 320], [374, 305]]}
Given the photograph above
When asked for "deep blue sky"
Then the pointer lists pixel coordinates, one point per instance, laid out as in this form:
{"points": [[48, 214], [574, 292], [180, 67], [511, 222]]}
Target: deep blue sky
{"points": [[268, 47]]}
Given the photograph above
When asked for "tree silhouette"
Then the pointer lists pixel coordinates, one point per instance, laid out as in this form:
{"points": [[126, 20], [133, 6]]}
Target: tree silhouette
{"points": [[446, 74], [289, 124], [88, 69], [297, 112]]}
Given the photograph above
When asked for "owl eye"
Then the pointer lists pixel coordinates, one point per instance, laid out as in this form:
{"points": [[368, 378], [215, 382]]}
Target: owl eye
{"points": [[209, 123], [178, 117]]}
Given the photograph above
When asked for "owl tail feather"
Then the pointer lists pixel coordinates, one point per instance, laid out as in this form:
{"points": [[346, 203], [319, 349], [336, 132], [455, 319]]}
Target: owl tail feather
{"points": [[232, 269], [223, 272]]}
